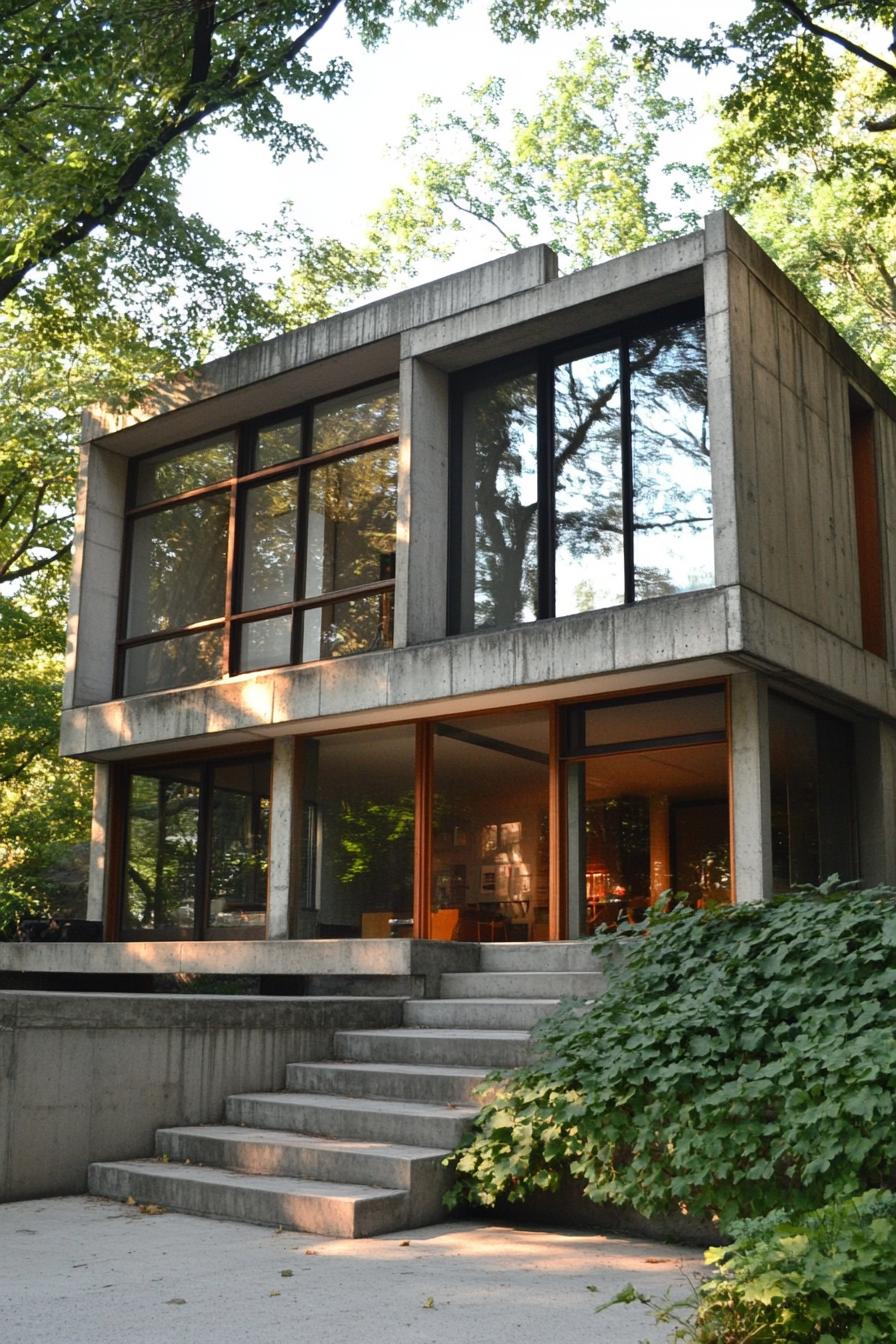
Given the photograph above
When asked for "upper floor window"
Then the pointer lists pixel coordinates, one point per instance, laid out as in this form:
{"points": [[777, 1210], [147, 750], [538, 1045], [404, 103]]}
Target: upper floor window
{"points": [[273, 543], [582, 476]]}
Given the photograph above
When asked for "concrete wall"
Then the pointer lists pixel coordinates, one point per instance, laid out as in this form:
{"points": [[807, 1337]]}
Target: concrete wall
{"points": [[790, 377], [90, 1077]]}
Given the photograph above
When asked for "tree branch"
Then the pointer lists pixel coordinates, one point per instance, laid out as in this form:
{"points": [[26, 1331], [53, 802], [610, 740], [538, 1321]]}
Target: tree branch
{"points": [[846, 43], [230, 91], [11, 577]]}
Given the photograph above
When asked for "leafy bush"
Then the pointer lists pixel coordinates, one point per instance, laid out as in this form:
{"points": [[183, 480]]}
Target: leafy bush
{"points": [[825, 1277], [742, 1059]]}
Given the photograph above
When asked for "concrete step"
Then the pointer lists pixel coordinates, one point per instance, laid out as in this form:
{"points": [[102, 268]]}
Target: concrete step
{"points": [[570, 956], [441, 1046], [326, 1208], [398, 1082], [522, 985], [478, 1014], [276, 1152], [354, 1118]]}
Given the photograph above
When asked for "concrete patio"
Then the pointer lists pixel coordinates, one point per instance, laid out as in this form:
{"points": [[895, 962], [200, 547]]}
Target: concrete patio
{"points": [[81, 1269]]}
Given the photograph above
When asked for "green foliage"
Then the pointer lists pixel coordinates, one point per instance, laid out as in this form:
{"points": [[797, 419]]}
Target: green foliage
{"points": [[574, 172], [742, 1058], [824, 1277], [825, 211]]}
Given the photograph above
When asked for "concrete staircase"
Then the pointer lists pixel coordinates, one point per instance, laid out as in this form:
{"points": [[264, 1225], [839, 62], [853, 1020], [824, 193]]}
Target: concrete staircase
{"points": [[354, 1145]]}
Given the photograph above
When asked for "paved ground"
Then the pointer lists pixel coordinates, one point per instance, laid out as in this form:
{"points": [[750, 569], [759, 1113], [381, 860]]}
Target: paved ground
{"points": [[81, 1270]]}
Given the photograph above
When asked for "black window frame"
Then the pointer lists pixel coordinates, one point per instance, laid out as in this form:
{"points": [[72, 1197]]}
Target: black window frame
{"points": [[236, 486], [543, 361], [205, 767]]}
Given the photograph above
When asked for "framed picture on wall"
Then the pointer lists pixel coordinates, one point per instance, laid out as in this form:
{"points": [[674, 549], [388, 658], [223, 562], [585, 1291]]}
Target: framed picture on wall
{"points": [[488, 875]]}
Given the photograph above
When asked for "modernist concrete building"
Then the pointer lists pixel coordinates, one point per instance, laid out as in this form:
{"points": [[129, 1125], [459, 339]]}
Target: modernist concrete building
{"points": [[491, 610]]}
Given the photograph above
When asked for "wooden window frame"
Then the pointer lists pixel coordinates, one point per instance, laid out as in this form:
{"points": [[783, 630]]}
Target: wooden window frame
{"points": [[236, 486]]}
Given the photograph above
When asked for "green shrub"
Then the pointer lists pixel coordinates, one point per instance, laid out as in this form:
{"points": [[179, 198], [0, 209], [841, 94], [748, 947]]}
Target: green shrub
{"points": [[824, 1277], [742, 1059]]}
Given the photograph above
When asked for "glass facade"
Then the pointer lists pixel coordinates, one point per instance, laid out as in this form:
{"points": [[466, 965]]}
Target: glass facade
{"points": [[490, 827], [358, 834], [812, 794], [196, 850], [583, 478], [646, 803], [272, 545]]}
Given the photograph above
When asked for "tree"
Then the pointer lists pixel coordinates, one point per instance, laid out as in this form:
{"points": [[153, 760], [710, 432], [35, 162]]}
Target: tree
{"points": [[825, 213]]}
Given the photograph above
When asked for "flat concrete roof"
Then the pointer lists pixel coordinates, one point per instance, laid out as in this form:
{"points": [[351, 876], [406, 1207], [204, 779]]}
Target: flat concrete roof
{"points": [[89, 1271]]}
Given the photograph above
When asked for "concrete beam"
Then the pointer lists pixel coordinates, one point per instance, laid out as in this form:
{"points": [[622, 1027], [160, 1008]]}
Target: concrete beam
{"points": [[99, 841], [422, 543], [285, 829]]}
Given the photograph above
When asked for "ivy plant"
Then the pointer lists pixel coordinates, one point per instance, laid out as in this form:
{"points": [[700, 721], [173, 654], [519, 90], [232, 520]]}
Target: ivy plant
{"points": [[743, 1059]]}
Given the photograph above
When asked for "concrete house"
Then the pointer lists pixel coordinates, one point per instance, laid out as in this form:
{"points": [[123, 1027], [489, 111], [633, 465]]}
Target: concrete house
{"points": [[491, 610]]}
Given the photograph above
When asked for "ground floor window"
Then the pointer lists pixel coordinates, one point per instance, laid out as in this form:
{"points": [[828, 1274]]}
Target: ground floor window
{"points": [[812, 799], [195, 850], [530, 823], [357, 867], [645, 780]]}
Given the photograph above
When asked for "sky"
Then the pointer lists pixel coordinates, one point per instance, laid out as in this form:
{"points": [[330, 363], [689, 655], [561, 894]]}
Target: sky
{"points": [[235, 185]]}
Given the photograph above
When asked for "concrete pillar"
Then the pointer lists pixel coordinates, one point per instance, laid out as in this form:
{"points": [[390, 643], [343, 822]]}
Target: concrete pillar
{"points": [[286, 821], [751, 788], [720, 313], [421, 558], [875, 778], [96, 575], [99, 841]]}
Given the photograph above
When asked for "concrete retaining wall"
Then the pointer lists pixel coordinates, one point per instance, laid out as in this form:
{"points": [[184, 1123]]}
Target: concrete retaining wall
{"points": [[90, 1077]]}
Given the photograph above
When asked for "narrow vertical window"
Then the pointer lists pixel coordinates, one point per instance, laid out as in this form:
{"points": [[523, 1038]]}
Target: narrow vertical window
{"points": [[864, 475]]}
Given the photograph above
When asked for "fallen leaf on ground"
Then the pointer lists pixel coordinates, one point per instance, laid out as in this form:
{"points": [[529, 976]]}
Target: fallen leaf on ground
{"points": [[152, 1208], [404, 1243], [176, 1302], [428, 1302], [286, 1273]]}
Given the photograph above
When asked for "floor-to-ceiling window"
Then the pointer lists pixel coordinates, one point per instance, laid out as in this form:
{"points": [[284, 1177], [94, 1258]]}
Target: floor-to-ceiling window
{"points": [[357, 867], [646, 804], [582, 476], [490, 856], [195, 850], [812, 799]]}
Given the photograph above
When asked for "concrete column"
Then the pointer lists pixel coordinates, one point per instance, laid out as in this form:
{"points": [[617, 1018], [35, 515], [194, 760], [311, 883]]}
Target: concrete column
{"points": [[286, 821], [96, 574], [875, 777], [751, 787], [720, 312], [99, 841], [421, 559]]}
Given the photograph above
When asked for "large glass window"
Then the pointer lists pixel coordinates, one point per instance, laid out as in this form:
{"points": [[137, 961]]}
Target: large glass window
{"points": [[490, 828], [583, 477], [812, 803], [358, 852], [646, 781], [271, 545], [195, 853]]}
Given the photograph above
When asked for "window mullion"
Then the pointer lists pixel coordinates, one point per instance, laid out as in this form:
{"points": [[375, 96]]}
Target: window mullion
{"points": [[302, 498], [546, 528], [628, 500]]}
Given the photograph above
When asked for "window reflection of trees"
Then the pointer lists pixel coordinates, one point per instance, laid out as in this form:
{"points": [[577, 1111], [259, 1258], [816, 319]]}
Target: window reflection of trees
{"points": [[502, 437], [351, 522], [355, 417], [178, 565], [163, 830], [671, 536]]}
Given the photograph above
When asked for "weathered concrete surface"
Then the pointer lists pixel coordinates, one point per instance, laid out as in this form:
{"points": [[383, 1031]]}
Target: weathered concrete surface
{"points": [[86, 1271], [317, 958], [90, 1077]]}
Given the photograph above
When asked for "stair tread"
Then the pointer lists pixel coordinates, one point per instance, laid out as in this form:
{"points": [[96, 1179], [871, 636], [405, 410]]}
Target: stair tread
{"points": [[378, 1104], [285, 1185], [440, 1033], [289, 1139], [406, 1070]]}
